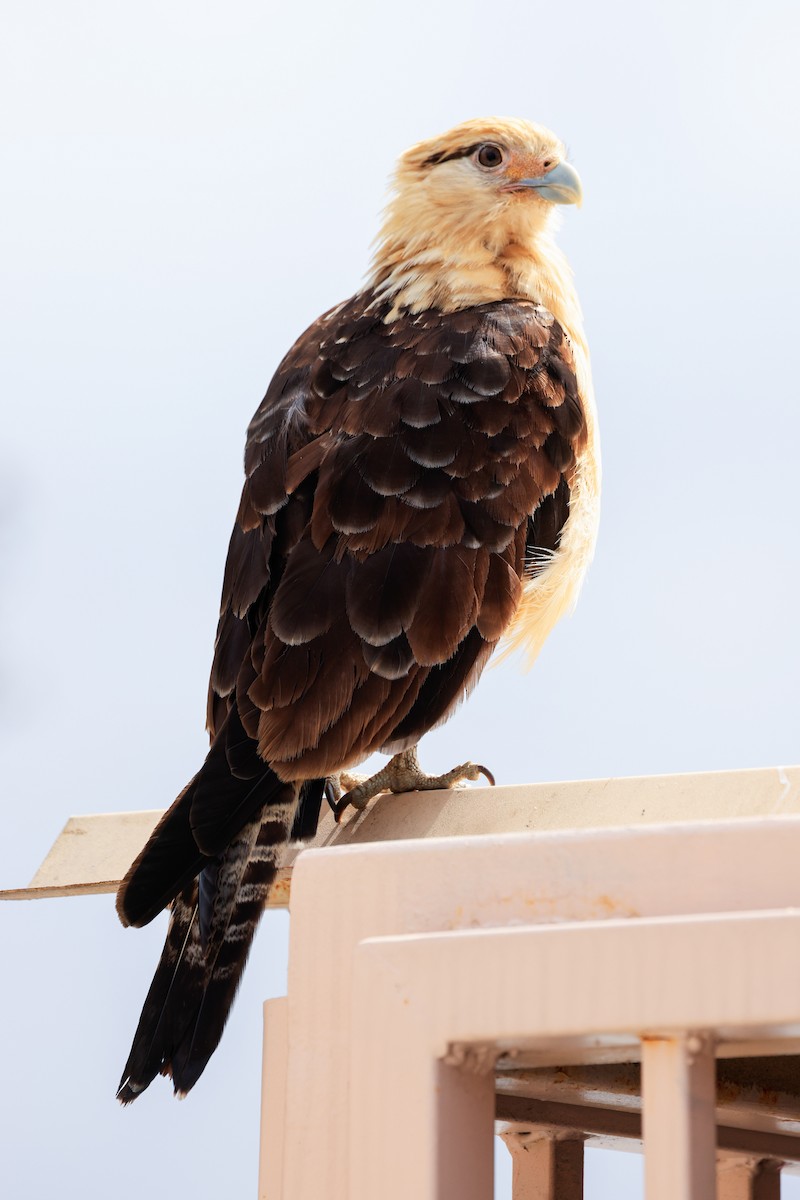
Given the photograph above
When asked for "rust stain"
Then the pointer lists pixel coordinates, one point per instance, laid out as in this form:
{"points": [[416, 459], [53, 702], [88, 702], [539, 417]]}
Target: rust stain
{"points": [[578, 908], [279, 893], [728, 1092]]}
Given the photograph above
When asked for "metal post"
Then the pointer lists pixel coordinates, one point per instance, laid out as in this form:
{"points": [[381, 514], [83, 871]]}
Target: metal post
{"points": [[749, 1179], [545, 1167], [273, 1100], [678, 1115]]}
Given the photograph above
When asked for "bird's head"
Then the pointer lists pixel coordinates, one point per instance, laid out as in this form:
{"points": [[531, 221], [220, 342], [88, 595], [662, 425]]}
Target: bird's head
{"points": [[486, 167], [470, 201]]}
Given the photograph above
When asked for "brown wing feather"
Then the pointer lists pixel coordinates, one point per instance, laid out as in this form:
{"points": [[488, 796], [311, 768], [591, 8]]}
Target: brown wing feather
{"points": [[426, 444]]}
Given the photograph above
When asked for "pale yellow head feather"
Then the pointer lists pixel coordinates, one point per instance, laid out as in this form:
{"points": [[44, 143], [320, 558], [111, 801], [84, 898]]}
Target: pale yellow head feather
{"points": [[454, 235]]}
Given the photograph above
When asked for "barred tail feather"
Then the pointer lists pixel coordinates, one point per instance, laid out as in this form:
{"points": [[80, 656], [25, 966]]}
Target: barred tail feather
{"points": [[212, 858], [212, 926], [233, 929], [154, 1033]]}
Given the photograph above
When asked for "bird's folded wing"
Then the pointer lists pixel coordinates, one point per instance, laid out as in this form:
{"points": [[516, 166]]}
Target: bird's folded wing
{"points": [[402, 477]]}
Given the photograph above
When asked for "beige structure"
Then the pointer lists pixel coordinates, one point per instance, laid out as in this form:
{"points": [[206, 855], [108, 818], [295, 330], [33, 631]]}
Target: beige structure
{"points": [[92, 853], [443, 986]]}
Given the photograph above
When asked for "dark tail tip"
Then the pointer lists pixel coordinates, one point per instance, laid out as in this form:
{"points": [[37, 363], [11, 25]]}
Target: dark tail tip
{"points": [[128, 1091]]}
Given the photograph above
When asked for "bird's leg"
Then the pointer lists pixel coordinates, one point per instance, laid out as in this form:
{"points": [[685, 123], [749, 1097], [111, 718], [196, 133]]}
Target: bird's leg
{"points": [[403, 774]]}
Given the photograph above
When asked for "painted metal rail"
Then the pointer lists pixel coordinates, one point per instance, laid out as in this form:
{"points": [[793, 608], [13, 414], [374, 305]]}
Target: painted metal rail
{"points": [[439, 989]]}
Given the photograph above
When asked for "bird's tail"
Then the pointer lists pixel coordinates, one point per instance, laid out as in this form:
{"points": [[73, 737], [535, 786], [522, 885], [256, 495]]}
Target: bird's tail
{"points": [[212, 859], [212, 924]]}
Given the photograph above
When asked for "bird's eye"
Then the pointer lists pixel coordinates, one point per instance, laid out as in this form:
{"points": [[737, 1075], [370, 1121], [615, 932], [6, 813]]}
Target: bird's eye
{"points": [[489, 155]]}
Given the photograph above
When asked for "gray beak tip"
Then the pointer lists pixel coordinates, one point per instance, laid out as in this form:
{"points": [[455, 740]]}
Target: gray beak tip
{"points": [[561, 185]]}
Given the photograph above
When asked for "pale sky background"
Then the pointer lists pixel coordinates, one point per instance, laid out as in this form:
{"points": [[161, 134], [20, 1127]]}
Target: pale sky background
{"points": [[185, 187]]}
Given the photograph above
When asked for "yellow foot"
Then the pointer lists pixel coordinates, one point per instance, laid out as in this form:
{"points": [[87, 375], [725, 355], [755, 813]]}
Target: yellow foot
{"points": [[401, 774]]}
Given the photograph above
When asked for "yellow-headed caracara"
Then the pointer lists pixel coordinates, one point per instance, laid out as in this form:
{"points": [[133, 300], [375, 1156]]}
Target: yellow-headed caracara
{"points": [[422, 482]]}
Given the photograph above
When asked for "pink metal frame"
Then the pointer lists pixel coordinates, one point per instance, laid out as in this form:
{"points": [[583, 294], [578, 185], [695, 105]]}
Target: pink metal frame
{"points": [[414, 964]]}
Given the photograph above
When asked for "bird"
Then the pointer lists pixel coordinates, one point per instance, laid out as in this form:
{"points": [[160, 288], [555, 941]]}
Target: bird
{"points": [[421, 489]]}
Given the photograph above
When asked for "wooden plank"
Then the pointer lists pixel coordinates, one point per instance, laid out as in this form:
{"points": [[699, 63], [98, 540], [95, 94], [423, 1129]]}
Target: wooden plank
{"points": [[92, 853], [89, 856]]}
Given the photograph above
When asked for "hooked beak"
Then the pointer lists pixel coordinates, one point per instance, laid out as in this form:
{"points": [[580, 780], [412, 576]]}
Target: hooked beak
{"points": [[562, 185]]}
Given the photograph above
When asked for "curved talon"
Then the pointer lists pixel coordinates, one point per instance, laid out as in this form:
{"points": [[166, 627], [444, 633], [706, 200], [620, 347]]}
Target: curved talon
{"points": [[341, 807], [330, 793], [486, 773]]}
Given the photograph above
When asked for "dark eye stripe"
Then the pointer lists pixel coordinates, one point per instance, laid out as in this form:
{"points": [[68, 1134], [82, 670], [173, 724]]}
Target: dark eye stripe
{"points": [[465, 152]]}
